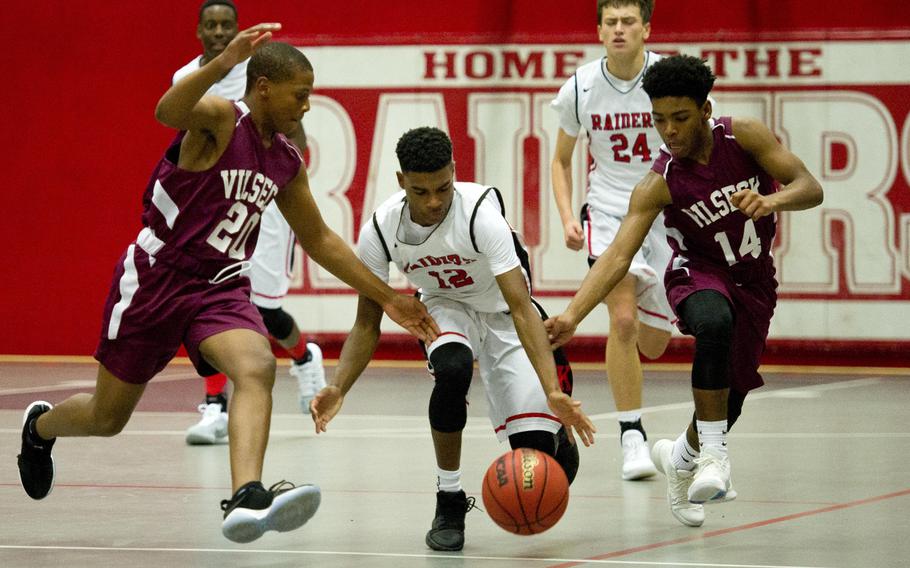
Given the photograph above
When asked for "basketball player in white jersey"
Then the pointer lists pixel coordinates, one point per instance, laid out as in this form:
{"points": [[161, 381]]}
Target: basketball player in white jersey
{"points": [[604, 98], [271, 264], [452, 242]]}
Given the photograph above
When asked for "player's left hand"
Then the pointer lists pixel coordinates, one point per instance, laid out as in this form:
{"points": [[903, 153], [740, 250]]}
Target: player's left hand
{"points": [[752, 204], [571, 415], [560, 330], [411, 314]]}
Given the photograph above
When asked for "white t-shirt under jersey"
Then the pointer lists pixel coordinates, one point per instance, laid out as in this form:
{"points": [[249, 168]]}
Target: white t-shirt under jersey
{"points": [[231, 87], [442, 260], [616, 115]]}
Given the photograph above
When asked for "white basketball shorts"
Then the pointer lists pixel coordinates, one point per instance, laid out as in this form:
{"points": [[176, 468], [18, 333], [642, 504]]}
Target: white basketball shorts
{"points": [[516, 400], [648, 265], [272, 261]]}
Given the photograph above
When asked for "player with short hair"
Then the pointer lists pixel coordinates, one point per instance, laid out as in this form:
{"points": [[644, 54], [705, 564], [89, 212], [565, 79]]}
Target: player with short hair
{"points": [[181, 281], [714, 181], [451, 240], [272, 261], [605, 100]]}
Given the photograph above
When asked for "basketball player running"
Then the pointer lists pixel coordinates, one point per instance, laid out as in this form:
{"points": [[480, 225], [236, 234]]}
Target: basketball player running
{"points": [[604, 98], [272, 261], [181, 280], [715, 182], [452, 242]]}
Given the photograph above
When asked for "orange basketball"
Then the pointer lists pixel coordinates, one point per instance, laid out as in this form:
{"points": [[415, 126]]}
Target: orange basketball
{"points": [[525, 491]]}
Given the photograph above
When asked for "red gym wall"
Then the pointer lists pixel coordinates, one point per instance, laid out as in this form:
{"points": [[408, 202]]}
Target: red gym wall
{"points": [[83, 79]]}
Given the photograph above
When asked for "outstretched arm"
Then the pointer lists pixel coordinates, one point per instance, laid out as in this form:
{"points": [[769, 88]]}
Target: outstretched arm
{"points": [[800, 189], [355, 356], [324, 246], [648, 199], [183, 106], [561, 173], [533, 338]]}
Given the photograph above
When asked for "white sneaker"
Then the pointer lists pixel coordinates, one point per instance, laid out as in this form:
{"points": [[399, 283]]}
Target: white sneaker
{"points": [[310, 377], [678, 481], [712, 483], [636, 459], [212, 429]]}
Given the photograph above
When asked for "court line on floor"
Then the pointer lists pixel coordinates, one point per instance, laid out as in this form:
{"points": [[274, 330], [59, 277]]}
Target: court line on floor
{"points": [[451, 557], [740, 528], [581, 366]]}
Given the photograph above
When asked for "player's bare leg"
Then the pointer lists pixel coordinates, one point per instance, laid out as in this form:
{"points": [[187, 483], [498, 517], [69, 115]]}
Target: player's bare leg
{"points": [[625, 377], [102, 413], [245, 356]]}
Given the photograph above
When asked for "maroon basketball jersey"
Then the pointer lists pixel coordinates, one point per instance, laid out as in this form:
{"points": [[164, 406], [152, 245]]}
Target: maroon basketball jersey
{"points": [[702, 224], [213, 215]]}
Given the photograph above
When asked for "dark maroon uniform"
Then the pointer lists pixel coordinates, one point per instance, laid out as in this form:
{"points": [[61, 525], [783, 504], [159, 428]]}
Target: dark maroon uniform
{"points": [[716, 247], [180, 281]]}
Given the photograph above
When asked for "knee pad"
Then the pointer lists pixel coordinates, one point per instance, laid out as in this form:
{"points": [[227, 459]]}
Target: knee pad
{"points": [[709, 318], [539, 440], [278, 322], [453, 366], [567, 455]]}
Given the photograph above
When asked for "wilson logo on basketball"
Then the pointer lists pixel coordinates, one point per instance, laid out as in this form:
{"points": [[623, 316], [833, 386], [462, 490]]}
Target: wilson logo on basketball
{"points": [[501, 476], [528, 463]]}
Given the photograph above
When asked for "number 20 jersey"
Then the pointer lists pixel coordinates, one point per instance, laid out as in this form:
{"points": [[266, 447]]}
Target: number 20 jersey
{"points": [[213, 215], [616, 115]]}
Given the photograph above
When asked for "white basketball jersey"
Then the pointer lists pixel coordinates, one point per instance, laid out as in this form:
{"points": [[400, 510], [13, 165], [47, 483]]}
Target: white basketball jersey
{"points": [[616, 115], [458, 259], [231, 87]]}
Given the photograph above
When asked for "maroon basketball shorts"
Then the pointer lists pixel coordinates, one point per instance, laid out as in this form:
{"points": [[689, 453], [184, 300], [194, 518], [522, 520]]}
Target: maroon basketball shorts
{"points": [[151, 309], [753, 300]]}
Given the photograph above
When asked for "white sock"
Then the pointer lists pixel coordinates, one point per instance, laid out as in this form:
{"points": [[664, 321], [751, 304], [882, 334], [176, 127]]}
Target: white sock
{"points": [[712, 435], [683, 455], [448, 481], [630, 415]]}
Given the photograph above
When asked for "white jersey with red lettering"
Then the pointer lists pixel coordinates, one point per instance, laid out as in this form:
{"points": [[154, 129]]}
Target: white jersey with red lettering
{"points": [[454, 264], [616, 115], [458, 259]]}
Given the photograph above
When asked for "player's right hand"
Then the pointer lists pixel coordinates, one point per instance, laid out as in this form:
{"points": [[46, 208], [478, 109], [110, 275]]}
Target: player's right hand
{"points": [[560, 329], [325, 405], [246, 42], [411, 314], [572, 417], [574, 235]]}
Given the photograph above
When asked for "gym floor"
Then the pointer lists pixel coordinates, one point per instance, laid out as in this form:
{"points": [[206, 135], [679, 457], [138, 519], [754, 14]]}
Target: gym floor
{"points": [[820, 461]]}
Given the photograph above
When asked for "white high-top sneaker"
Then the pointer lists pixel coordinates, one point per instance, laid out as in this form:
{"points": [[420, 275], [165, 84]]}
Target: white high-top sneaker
{"points": [[678, 481], [636, 458], [211, 429], [310, 377]]}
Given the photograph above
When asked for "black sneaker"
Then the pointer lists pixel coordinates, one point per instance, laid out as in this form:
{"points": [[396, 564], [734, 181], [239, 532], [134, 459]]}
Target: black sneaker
{"points": [[567, 454], [447, 533], [36, 466], [253, 510]]}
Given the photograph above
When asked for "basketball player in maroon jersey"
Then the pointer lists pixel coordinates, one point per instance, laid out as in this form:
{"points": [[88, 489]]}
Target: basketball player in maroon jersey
{"points": [[181, 280], [715, 182]]}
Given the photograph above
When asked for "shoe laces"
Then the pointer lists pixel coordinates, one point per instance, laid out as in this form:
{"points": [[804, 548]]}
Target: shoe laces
{"points": [[679, 481], [708, 460]]}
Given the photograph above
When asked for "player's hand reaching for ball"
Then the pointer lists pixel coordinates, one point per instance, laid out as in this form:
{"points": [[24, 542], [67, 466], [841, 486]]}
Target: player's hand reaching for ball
{"points": [[571, 415], [560, 329], [411, 314], [325, 405]]}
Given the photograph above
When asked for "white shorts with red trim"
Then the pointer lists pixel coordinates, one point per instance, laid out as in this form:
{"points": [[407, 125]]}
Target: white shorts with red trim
{"points": [[516, 400], [648, 265], [272, 261]]}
